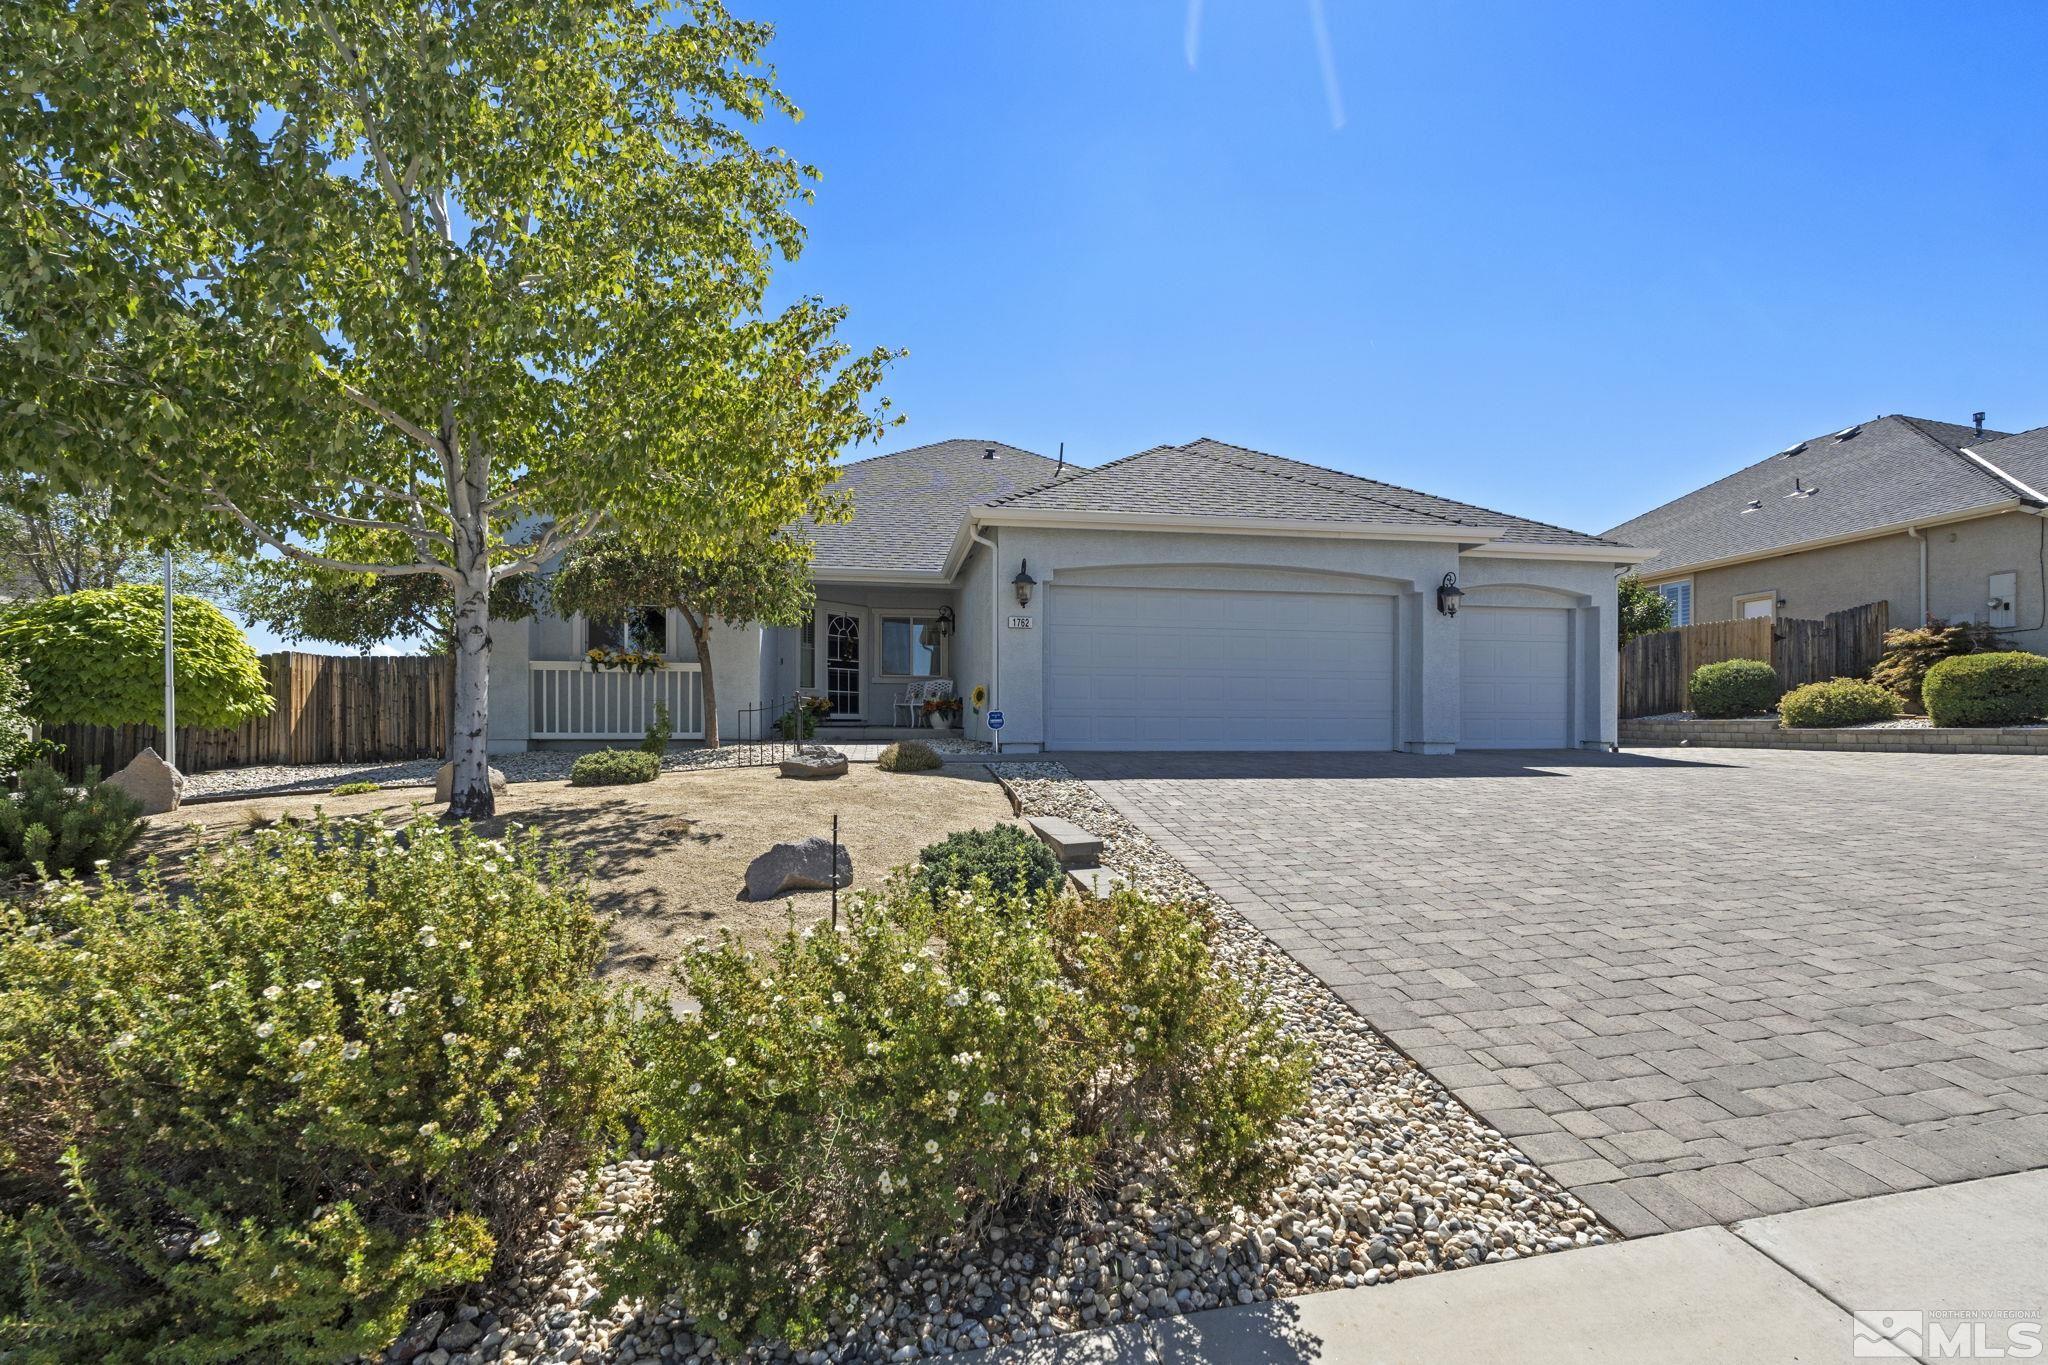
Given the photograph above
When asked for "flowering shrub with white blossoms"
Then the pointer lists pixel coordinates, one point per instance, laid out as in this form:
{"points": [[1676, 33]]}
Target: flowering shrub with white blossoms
{"points": [[882, 1087], [259, 1119]]}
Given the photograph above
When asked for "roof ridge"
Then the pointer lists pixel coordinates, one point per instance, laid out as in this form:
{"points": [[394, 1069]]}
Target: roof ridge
{"points": [[1976, 467], [944, 441], [1314, 483], [1416, 492], [1080, 472]]}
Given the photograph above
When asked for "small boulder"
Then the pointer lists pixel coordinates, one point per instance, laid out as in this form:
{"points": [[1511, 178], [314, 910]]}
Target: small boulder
{"points": [[444, 783], [459, 1336], [814, 760], [156, 784], [417, 1341], [806, 865]]}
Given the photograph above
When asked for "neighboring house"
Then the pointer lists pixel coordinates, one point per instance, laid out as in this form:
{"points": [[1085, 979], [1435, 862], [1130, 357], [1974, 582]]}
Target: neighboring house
{"points": [[1936, 519], [1200, 596]]}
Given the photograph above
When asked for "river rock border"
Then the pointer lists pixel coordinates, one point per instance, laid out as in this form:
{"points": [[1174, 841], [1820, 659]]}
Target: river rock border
{"points": [[1392, 1178]]}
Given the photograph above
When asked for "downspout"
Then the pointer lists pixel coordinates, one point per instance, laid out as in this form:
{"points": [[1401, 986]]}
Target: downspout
{"points": [[995, 609], [1914, 532]]}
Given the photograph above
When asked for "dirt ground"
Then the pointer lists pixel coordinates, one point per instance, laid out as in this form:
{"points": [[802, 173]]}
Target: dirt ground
{"points": [[668, 858]]}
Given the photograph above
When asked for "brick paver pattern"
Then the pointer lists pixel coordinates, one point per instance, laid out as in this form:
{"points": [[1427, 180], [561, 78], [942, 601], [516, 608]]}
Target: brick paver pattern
{"points": [[1695, 985]]}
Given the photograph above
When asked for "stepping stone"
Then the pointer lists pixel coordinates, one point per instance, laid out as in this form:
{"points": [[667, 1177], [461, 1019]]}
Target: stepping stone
{"points": [[1098, 882], [1073, 845]]}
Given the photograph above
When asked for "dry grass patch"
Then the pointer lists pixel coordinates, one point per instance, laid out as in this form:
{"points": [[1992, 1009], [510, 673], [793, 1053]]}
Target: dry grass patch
{"points": [[668, 858]]}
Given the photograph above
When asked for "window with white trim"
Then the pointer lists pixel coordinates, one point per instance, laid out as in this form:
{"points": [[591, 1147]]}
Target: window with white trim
{"points": [[644, 631], [1679, 595], [912, 646]]}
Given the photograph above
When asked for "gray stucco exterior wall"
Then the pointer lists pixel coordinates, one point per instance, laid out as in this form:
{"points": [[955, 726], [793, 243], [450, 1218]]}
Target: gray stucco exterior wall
{"points": [[1961, 557]]}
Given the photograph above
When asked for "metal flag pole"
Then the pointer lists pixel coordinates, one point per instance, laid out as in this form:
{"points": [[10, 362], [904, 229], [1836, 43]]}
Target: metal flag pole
{"points": [[170, 684]]}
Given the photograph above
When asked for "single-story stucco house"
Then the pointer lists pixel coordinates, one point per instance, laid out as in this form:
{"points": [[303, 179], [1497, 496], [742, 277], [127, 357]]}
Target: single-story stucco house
{"points": [[1198, 596], [1938, 519]]}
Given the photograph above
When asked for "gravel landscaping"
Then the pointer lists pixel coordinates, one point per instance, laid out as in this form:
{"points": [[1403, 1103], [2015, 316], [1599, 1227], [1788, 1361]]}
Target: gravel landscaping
{"points": [[1391, 1179], [536, 765]]}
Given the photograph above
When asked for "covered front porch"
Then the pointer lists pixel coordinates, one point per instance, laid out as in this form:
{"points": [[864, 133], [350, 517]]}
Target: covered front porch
{"points": [[884, 658]]}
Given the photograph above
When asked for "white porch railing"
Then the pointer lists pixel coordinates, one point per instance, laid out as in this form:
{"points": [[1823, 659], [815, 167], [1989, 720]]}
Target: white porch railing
{"points": [[570, 701]]}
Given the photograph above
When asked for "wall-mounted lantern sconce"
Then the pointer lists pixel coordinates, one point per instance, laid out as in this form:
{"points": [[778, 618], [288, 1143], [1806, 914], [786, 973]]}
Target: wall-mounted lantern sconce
{"points": [[1023, 583], [943, 627], [1448, 595]]}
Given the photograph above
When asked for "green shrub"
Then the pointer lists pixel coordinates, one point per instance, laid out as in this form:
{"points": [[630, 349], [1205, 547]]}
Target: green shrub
{"points": [[875, 1090], [97, 658], [1838, 701], [49, 827], [1016, 864], [1988, 689], [660, 731], [351, 1067], [1908, 654], [18, 742], [356, 789], [909, 756], [611, 767], [1734, 687], [801, 722]]}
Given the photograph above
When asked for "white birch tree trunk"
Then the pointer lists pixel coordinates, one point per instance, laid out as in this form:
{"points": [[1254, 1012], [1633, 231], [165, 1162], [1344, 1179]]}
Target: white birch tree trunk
{"points": [[470, 795]]}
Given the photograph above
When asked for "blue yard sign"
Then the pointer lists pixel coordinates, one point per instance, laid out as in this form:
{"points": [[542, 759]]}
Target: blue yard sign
{"points": [[995, 720]]}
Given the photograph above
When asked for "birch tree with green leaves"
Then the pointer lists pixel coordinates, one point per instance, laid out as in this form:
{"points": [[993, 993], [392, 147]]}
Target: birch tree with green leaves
{"points": [[419, 290]]}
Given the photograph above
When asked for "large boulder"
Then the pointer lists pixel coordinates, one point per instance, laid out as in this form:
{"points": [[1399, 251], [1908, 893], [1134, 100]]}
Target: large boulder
{"points": [[814, 760], [151, 781], [806, 865], [444, 783]]}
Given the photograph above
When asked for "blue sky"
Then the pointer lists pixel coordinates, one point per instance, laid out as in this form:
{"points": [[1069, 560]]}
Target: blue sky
{"points": [[1566, 260]]}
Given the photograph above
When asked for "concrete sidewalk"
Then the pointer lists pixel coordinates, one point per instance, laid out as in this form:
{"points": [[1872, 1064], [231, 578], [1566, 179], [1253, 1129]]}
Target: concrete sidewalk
{"points": [[1958, 1272]]}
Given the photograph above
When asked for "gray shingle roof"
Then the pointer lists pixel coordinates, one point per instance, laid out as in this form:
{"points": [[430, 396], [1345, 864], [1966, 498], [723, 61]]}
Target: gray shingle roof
{"points": [[2024, 456], [1215, 479], [908, 506], [1891, 470]]}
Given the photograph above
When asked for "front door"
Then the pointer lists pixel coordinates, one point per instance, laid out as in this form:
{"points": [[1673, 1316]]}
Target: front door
{"points": [[840, 630]]}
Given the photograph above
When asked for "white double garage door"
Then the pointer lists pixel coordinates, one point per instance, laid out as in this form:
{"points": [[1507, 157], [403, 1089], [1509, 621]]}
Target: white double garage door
{"points": [[1178, 668]]}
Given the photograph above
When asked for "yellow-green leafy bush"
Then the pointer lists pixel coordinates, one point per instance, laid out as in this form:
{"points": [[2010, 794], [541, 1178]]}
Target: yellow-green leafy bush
{"points": [[356, 788], [1838, 701], [97, 658], [875, 1089], [1910, 652], [260, 1119], [1733, 687], [2009, 688]]}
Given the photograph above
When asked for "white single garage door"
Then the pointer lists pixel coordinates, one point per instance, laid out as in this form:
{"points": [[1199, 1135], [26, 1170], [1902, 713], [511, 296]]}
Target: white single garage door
{"points": [[1514, 669], [1178, 668]]}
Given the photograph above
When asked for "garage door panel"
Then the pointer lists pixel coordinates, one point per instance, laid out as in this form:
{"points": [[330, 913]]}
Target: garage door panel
{"points": [[1167, 668], [1514, 670]]}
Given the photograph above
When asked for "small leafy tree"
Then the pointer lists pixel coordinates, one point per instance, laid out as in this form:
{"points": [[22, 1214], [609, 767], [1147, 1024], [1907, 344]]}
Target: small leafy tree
{"points": [[1910, 652], [54, 541], [763, 578], [1640, 609], [97, 658], [360, 611]]}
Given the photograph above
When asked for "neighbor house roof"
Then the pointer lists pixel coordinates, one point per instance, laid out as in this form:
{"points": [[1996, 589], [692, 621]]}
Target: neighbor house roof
{"points": [[1870, 477], [907, 506], [2021, 459], [1213, 479]]}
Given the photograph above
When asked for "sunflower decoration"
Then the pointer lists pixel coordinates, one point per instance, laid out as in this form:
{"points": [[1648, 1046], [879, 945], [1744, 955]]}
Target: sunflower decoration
{"points": [[979, 696]]}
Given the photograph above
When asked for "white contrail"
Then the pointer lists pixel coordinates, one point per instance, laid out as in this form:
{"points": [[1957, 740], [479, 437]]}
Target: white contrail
{"points": [[1327, 55], [1191, 38]]}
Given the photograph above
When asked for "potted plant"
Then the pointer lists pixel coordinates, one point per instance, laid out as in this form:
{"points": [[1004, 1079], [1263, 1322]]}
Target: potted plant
{"points": [[941, 712], [800, 722]]}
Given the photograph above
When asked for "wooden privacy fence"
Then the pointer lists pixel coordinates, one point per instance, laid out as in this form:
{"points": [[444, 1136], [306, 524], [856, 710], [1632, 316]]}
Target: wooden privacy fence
{"points": [[1655, 669], [325, 709]]}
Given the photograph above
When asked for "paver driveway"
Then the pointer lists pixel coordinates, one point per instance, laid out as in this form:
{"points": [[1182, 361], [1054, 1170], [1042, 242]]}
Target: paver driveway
{"points": [[1696, 985]]}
